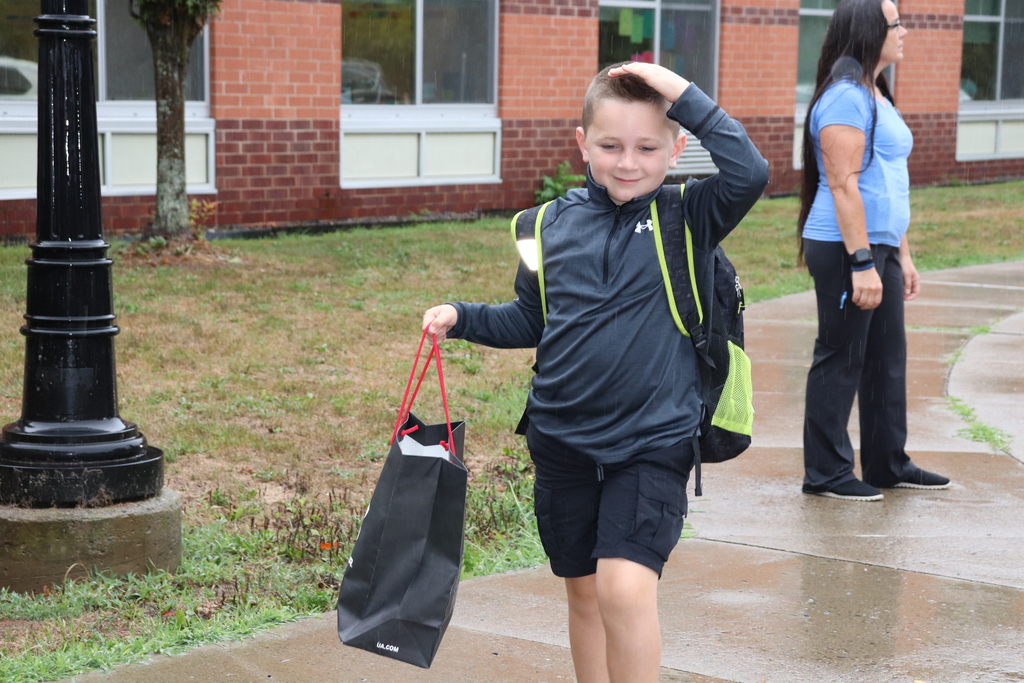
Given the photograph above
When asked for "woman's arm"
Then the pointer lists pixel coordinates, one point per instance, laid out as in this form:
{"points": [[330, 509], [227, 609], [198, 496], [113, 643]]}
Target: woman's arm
{"points": [[842, 153], [911, 278]]}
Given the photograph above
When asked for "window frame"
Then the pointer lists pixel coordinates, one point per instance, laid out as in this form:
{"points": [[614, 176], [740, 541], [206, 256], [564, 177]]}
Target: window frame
{"points": [[715, 11], [800, 112], [424, 118], [19, 117], [998, 104], [997, 111]]}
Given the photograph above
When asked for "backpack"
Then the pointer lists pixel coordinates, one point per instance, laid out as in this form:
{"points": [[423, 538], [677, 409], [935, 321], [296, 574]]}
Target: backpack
{"points": [[712, 320]]}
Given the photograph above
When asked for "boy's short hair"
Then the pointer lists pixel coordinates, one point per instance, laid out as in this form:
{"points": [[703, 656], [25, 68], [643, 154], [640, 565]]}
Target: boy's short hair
{"points": [[628, 88]]}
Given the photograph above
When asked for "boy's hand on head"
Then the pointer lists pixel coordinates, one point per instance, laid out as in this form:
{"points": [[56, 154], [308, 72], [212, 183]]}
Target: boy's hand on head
{"points": [[670, 84], [439, 319]]}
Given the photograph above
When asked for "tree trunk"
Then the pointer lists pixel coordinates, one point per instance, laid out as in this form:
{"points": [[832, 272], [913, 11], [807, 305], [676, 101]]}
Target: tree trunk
{"points": [[170, 40]]}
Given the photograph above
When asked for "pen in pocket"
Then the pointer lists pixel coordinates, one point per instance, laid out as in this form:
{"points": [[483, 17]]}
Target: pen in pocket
{"points": [[842, 301]]}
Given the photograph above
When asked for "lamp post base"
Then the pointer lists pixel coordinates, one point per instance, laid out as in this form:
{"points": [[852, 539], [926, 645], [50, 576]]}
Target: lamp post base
{"points": [[133, 471], [43, 547]]}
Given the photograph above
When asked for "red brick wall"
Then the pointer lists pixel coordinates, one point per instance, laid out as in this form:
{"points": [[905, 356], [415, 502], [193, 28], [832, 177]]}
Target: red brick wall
{"points": [[928, 78], [276, 170], [757, 60], [275, 93], [925, 93], [120, 215], [18, 217], [276, 72], [548, 55], [533, 148], [276, 59], [773, 136], [546, 62]]}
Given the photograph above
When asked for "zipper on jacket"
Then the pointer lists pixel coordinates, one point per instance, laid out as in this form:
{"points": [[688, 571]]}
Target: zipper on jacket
{"points": [[608, 243]]}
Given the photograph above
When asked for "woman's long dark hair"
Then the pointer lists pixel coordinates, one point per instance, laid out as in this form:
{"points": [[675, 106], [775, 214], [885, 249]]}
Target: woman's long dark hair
{"points": [[852, 48]]}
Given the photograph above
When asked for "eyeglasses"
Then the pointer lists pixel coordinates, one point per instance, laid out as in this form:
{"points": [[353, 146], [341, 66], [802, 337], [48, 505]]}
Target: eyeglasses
{"points": [[895, 24]]}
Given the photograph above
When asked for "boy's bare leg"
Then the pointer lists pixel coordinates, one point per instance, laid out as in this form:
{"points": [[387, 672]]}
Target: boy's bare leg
{"points": [[586, 630], [627, 594]]}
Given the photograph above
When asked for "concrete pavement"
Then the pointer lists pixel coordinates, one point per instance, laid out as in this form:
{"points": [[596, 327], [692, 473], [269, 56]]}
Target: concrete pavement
{"points": [[777, 586]]}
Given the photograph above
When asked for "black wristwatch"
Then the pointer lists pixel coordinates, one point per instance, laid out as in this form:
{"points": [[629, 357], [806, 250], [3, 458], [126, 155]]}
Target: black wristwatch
{"points": [[861, 260]]}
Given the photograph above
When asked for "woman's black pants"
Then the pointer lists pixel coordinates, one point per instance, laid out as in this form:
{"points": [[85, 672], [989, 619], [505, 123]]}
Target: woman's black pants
{"points": [[861, 353]]}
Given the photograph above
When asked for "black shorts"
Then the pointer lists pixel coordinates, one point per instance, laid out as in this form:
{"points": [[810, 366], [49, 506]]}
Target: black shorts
{"points": [[632, 510]]}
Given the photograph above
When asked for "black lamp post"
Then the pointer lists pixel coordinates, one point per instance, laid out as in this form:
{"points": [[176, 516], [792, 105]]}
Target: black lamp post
{"points": [[70, 446]]}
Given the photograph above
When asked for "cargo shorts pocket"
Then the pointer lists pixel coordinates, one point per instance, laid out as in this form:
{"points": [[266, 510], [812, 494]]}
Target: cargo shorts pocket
{"points": [[661, 506], [542, 510]]}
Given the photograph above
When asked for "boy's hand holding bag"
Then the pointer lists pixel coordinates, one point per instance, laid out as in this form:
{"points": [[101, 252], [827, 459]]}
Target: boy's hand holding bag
{"points": [[398, 592]]}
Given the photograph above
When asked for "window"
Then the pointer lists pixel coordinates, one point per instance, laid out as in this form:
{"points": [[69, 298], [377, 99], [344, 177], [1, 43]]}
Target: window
{"points": [[379, 52], [126, 112], [814, 18], [19, 49], [679, 35], [991, 120], [419, 92], [993, 53], [124, 65], [129, 61]]}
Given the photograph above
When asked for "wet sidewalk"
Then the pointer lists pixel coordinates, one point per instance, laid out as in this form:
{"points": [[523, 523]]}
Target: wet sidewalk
{"points": [[777, 586]]}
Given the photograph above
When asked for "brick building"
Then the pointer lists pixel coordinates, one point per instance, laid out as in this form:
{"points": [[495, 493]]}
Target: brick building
{"points": [[320, 110]]}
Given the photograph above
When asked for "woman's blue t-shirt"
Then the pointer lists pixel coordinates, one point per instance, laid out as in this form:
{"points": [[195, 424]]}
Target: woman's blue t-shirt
{"points": [[884, 184]]}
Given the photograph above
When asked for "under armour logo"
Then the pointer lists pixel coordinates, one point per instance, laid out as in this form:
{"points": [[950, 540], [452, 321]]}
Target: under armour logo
{"points": [[640, 227]]}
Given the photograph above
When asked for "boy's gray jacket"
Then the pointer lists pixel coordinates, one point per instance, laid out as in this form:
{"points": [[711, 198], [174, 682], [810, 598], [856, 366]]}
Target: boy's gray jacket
{"points": [[615, 378]]}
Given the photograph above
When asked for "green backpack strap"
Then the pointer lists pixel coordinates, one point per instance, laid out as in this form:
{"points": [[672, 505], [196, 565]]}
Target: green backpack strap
{"points": [[675, 255], [674, 243], [526, 233]]}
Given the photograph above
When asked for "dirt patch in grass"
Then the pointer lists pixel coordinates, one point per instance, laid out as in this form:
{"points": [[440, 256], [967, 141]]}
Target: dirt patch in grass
{"points": [[177, 252], [16, 634]]}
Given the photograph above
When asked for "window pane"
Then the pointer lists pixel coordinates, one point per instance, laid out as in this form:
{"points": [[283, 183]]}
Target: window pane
{"points": [[1014, 9], [978, 73], [987, 8], [687, 39], [195, 79], [625, 35], [458, 51], [378, 52], [819, 4], [812, 35], [1013, 59], [19, 49], [130, 60]]}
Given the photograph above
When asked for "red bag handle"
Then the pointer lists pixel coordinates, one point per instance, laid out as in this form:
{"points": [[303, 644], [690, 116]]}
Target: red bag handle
{"points": [[407, 400]]}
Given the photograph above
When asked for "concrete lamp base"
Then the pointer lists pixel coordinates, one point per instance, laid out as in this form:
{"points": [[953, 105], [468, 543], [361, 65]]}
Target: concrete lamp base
{"points": [[41, 547]]}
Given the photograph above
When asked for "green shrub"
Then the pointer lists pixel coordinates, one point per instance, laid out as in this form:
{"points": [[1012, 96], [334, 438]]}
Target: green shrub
{"points": [[557, 186]]}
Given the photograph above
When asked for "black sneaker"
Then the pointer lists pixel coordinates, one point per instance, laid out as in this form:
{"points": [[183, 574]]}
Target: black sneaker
{"points": [[854, 489], [924, 480]]}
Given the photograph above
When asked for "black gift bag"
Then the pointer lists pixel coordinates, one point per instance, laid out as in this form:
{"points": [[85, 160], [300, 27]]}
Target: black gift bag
{"points": [[398, 592]]}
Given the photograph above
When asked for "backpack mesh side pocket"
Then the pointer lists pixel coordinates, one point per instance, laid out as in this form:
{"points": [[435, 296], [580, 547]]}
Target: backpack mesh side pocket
{"points": [[735, 411]]}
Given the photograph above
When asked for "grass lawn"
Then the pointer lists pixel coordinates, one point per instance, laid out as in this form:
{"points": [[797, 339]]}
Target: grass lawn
{"points": [[271, 379]]}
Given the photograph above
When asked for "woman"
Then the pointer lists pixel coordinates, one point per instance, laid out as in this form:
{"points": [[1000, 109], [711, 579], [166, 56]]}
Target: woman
{"points": [[855, 210]]}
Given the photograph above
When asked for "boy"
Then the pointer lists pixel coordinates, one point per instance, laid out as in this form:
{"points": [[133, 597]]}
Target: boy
{"points": [[617, 395]]}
